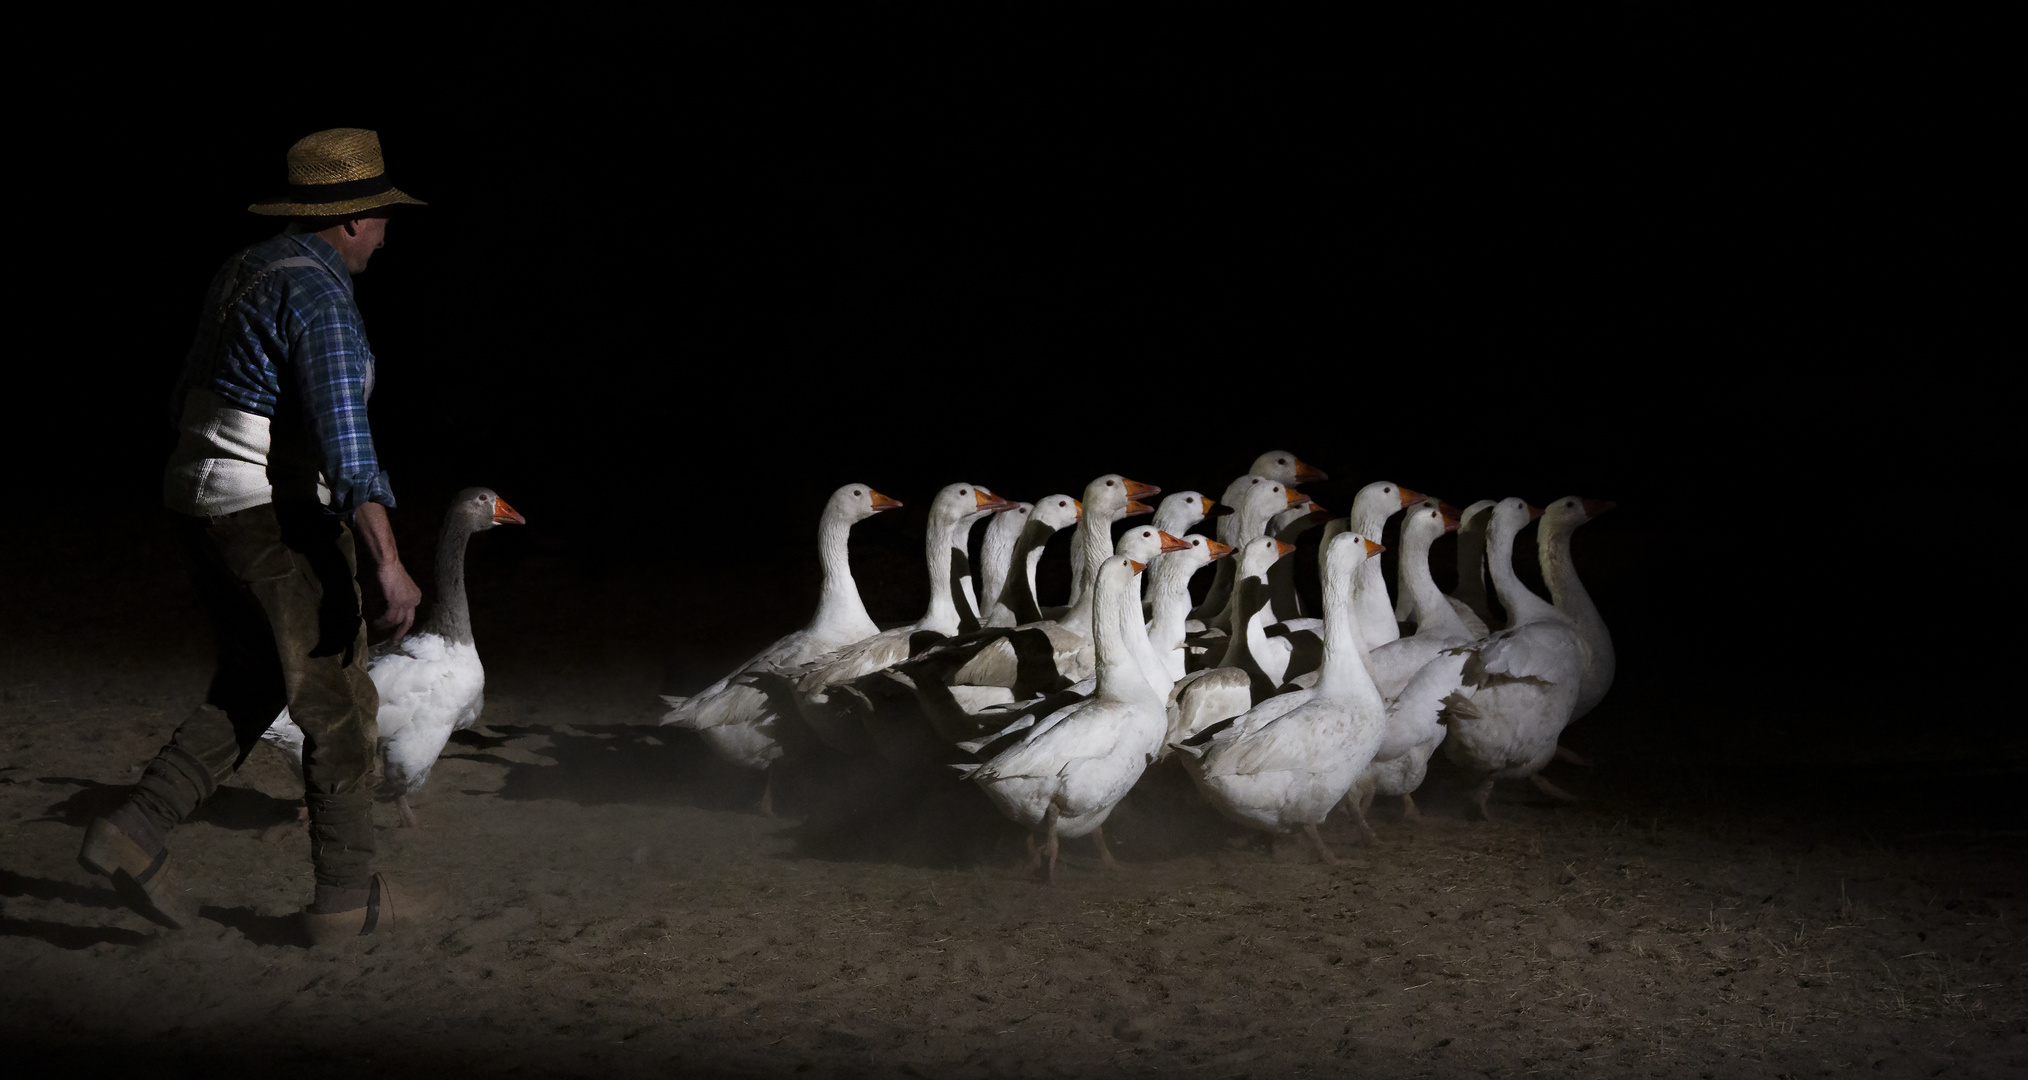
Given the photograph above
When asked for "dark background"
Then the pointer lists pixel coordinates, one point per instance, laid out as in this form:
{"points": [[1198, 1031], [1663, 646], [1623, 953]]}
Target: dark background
{"points": [[676, 283]]}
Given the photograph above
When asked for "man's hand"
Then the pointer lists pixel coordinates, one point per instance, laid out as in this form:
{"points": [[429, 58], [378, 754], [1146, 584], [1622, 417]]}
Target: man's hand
{"points": [[401, 595], [397, 589]]}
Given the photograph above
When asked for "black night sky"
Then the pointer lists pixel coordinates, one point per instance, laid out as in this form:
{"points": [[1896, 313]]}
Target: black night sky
{"points": [[674, 287]]}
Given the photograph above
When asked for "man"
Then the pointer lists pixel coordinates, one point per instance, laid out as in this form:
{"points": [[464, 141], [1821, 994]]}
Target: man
{"points": [[273, 480]]}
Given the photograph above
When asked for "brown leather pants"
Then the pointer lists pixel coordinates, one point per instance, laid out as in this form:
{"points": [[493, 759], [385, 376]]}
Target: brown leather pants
{"points": [[277, 582]]}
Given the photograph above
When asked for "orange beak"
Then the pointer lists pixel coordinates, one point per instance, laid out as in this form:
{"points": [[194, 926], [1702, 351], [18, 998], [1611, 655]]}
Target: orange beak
{"points": [[1080, 509], [989, 501], [1138, 490], [1451, 516], [1208, 504], [1137, 507], [1217, 550], [882, 502], [1170, 543], [1533, 512], [1138, 566], [1297, 498], [1410, 498], [504, 514], [1372, 548], [1595, 507], [1318, 508], [1282, 548], [1307, 474]]}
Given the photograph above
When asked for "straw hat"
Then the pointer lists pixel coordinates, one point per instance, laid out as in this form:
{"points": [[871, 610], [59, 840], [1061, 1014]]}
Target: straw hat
{"points": [[335, 172]]}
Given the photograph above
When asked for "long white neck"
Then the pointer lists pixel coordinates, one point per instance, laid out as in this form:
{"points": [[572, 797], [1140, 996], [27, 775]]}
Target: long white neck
{"points": [[1120, 675], [1018, 594], [1559, 572], [1169, 591], [1522, 606], [942, 616], [1472, 557], [1345, 675], [1433, 614], [996, 553], [1090, 546], [839, 608]]}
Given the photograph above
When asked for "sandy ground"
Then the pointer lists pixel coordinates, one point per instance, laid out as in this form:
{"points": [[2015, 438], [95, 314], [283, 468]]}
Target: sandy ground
{"points": [[609, 902]]}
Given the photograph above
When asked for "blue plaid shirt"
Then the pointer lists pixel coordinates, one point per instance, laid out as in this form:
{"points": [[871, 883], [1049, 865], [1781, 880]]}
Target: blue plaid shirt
{"points": [[293, 325]]}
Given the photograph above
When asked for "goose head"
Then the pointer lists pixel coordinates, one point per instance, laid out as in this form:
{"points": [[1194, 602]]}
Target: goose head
{"points": [[1256, 555], [1143, 542], [1181, 510], [1571, 511], [857, 502], [1112, 497], [1346, 551], [1057, 511], [1202, 552], [477, 509], [1259, 501], [1378, 501], [1286, 467], [1429, 519], [959, 505], [1509, 517]]}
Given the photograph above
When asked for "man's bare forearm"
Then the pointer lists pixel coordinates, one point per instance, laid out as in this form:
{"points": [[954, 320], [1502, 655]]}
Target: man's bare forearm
{"points": [[396, 587]]}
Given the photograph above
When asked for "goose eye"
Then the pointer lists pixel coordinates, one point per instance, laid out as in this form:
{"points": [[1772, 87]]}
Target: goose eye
{"points": [[1281, 461], [855, 491], [1196, 543], [964, 493], [1387, 491], [1109, 483]]}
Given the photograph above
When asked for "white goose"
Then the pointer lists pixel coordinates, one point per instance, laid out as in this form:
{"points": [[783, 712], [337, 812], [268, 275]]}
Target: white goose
{"points": [[1518, 685], [1375, 503], [1175, 516], [1258, 500], [835, 721], [1278, 466], [1016, 603], [1250, 669], [1285, 763], [430, 682], [1414, 674], [1065, 778], [1169, 598], [1469, 598], [1106, 500], [996, 556], [735, 718], [1552, 549]]}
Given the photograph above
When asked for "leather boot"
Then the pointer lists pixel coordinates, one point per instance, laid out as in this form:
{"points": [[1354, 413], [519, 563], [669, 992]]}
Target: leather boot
{"points": [[143, 872], [383, 909]]}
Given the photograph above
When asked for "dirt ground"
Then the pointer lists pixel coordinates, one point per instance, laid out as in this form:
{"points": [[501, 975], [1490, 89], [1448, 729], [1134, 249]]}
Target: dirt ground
{"points": [[608, 902]]}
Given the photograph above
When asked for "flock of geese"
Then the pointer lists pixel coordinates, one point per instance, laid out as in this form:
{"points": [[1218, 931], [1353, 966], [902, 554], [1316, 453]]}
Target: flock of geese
{"points": [[1278, 714]]}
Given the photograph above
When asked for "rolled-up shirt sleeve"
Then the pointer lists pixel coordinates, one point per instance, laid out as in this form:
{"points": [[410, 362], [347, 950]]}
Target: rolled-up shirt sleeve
{"points": [[333, 362]]}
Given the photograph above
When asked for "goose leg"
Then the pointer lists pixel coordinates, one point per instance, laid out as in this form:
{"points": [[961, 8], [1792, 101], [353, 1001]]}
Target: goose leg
{"points": [[1317, 841], [1565, 753], [408, 820], [1366, 803], [1551, 790], [1359, 818], [1049, 845], [1408, 811], [1034, 866], [1098, 836], [1479, 796], [767, 806]]}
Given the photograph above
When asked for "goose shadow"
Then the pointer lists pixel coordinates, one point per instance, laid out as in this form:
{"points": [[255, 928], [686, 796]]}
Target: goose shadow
{"points": [[595, 765]]}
